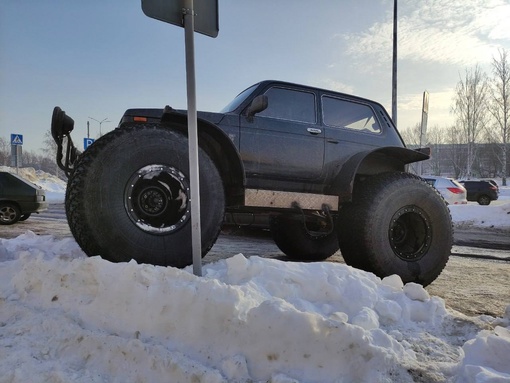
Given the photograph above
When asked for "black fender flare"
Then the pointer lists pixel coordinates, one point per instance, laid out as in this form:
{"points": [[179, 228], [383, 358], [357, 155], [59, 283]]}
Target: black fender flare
{"points": [[216, 143], [369, 163]]}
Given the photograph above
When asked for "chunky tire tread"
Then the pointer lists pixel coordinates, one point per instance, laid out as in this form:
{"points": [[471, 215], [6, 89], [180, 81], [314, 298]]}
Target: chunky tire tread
{"points": [[293, 239], [94, 223], [364, 227]]}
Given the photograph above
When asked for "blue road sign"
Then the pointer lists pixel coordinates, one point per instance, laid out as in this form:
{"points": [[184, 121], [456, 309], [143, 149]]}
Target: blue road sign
{"points": [[16, 139], [87, 142]]}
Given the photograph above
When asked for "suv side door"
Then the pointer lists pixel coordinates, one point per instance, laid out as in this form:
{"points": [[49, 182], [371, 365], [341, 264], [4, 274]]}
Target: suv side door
{"points": [[285, 141], [350, 127]]}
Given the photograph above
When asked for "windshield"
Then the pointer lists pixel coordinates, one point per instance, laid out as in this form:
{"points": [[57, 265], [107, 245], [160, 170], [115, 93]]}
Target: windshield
{"points": [[238, 100]]}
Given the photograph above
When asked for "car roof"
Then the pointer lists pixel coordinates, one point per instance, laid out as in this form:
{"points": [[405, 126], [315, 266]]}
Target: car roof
{"points": [[313, 88], [437, 178]]}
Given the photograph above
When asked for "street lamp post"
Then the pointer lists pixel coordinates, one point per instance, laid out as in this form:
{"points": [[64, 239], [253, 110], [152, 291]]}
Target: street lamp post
{"points": [[394, 71], [100, 123]]}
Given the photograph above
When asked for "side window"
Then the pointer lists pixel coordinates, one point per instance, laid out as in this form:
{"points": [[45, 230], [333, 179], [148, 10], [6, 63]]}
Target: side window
{"points": [[349, 115], [293, 105]]}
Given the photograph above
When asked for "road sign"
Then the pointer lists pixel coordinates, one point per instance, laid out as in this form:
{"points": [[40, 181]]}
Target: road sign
{"points": [[16, 139], [16, 156], [206, 13], [87, 142]]}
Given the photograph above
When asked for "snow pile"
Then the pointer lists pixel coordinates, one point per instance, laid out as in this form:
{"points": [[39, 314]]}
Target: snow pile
{"points": [[483, 361], [495, 215], [68, 318]]}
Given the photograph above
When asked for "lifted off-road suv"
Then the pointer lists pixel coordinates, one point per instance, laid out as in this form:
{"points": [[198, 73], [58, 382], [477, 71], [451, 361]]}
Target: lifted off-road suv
{"points": [[328, 168]]}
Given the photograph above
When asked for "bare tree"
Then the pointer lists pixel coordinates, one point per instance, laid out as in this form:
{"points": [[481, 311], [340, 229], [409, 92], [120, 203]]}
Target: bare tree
{"points": [[4, 152], [500, 105], [436, 139], [470, 106], [411, 136], [50, 145], [456, 149], [51, 150]]}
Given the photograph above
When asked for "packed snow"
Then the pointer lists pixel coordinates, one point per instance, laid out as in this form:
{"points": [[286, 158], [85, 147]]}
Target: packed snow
{"points": [[65, 317]]}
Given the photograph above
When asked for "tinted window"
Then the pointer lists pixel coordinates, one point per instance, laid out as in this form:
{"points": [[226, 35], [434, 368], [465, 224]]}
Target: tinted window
{"points": [[349, 115], [287, 104], [238, 100], [430, 181]]}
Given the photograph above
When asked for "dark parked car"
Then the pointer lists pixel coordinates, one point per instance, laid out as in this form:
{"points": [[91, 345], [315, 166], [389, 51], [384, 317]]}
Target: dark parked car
{"points": [[19, 198], [482, 192]]}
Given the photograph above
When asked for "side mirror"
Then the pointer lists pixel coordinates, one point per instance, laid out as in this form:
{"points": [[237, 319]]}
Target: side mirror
{"points": [[258, 104]]}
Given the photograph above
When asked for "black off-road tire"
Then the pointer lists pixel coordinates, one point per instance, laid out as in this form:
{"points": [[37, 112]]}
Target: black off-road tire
{"points": [[128, 197], [348, 237], [9, 213], [397, 224], [295, 240]]}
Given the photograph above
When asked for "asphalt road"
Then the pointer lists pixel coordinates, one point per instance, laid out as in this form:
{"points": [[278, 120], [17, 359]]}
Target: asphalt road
{"points": [[475, 241]]}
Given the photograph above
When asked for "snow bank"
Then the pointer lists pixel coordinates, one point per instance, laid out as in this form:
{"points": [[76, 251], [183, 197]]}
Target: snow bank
{"points": [[491, 216], [68, 318]]}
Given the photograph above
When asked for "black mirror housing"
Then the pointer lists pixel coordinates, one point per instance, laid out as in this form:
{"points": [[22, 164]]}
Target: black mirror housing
{"points": [[258, 104]]}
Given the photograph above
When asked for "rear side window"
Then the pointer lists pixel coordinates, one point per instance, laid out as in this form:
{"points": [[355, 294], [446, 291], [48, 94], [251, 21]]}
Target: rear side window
{"points": [[344, 114], [292, 105], [430, 181]]}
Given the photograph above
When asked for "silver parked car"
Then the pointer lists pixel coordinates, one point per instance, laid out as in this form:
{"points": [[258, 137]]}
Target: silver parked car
{"points": [[451, 190]]}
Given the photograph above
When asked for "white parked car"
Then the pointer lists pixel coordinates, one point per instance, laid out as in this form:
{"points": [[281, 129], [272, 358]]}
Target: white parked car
{"points": [[451, 190]]}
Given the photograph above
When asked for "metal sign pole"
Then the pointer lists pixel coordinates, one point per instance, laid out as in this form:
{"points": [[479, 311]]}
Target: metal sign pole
{"points": [[196, 243], [179, 12]]}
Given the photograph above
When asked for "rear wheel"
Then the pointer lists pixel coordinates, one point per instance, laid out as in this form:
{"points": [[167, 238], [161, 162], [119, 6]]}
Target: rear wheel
{"points": [[397, 224], [9, 213], [129, 197], [25, 216], [484, 200], [302, 241]]}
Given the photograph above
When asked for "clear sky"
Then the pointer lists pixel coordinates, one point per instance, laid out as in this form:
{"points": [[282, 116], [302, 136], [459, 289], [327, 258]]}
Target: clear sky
{"points": [[96, 58]]}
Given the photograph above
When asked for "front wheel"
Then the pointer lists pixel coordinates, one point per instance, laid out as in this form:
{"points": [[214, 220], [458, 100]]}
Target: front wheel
{"points": [[9, 213], [129, 197], [397, 224]]}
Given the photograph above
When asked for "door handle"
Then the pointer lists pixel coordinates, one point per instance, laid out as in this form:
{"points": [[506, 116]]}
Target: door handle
{"points": [[314, 131]]}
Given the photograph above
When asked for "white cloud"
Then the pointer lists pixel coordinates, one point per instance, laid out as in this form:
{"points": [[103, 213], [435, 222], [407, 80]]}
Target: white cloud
{"points": [[493, 20], [336, 86], [410, 101], [460, 32]]}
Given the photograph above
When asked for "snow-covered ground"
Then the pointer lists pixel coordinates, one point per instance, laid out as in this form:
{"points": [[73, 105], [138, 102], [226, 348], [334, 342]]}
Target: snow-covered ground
{"points": [[65, 317]]}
